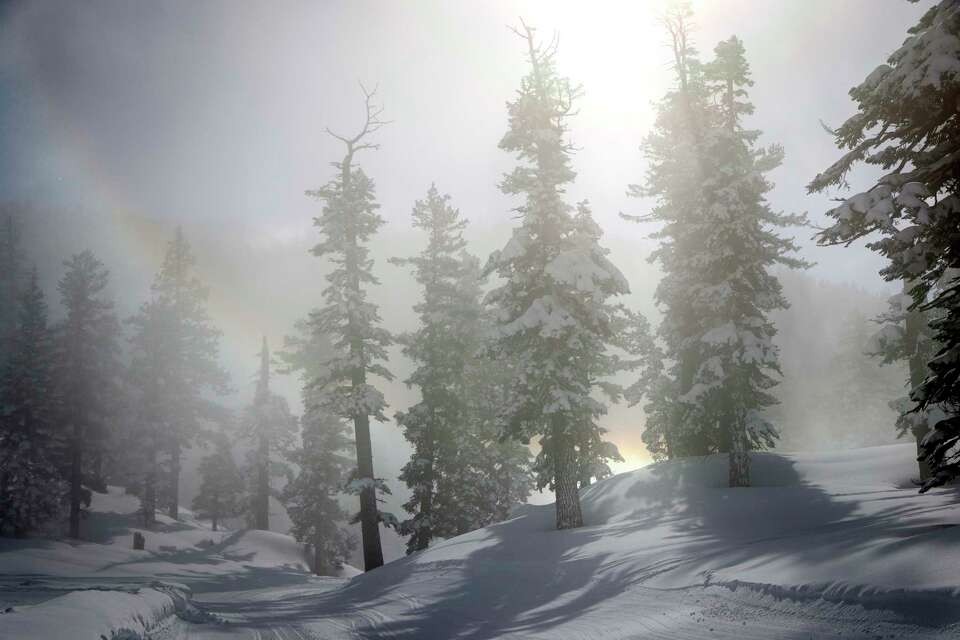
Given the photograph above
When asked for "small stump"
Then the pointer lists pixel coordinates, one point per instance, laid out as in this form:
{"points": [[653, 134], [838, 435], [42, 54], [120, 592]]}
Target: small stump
{"points": [[139, 540]]}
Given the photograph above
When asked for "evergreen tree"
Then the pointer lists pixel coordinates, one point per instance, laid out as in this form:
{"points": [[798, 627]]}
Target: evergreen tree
{"points": [[193, 350], [908, 125], [10, 280], [554, 317], [348, 221], [322, 459], [151, 392], [87, 374], [721, 243], [739, 292], [447, 473], [270, 428], [674, 179], [30, 487], [221, 485], [905, 335]]}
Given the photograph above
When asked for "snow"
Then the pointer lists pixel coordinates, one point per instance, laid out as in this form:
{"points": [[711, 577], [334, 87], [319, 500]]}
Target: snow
{"points": [[102, 586], [92, 614], [825, 545]]}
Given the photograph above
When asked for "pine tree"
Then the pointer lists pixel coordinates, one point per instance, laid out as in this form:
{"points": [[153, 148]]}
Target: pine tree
{"points": [[908, 125], [449, 443], [905, 335], [348, 221], [270, 428], [151, 392], [675, 174], [221, 485], [30, 487], [87, 373], [553, 310], [720, 244], [10, 281], [322, 459], [193, 344], [738, 291]]}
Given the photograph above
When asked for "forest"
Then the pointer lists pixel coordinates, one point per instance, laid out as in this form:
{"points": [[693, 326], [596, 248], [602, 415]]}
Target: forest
{"points": [[413, 375]]}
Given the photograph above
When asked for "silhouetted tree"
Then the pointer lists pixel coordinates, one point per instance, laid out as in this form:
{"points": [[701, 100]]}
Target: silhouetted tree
{"points": [[87, 372], [31, 489], [221, 485]]}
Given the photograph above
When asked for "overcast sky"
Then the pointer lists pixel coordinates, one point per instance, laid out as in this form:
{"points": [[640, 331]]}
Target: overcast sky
{"points": [[122, 119]]}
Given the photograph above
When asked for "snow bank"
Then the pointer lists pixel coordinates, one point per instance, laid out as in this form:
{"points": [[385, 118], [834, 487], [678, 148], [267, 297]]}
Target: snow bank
{"points": [[96, 614]]}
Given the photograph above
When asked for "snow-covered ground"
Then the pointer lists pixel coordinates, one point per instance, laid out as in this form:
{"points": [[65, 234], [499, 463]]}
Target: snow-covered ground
{"points": [[826, 545]]}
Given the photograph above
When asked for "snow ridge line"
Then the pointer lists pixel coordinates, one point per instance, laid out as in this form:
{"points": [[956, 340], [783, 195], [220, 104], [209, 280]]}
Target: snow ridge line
{"points": [[923, 607]]}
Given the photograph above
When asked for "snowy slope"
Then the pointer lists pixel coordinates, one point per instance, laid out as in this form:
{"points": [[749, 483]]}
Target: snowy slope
{"points": [[102, 586], [174, 549], [835, 545]]}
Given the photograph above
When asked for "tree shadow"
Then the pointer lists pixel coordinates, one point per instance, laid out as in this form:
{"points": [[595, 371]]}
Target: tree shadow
{"points": [[687, 525]]}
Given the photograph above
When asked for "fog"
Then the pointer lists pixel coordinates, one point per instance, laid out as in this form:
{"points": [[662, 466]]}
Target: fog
{"points": [[122, 120]]}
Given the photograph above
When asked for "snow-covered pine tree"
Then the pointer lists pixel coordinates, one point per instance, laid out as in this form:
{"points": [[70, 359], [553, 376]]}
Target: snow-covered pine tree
{"points": [[312, 496], [737, 291], [322, 459], [654, 384], [719, 244], [270, 427], [30, 487], [347, 222], [905, 335], [449, 473], [193, 344], [491, 474], [221, 484], [447, 314], [87, 374], [675, 175], [907, 124], [554, 315]]}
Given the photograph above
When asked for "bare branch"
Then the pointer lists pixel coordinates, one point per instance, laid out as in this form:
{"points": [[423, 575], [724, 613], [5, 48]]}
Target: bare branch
{"points": [[372, 123]]}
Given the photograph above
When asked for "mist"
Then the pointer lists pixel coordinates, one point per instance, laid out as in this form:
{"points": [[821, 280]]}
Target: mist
{"points": [[122, 122]]}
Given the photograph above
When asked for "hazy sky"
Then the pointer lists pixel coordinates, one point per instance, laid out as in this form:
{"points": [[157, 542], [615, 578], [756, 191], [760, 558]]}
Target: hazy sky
{"points": [[121, 119]]}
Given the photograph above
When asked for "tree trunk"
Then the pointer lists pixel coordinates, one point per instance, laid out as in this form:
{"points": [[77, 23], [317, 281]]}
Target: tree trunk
{"points": [[319, 566], [369, 516], [369, 519], [173, 508], [150, 490], [739, 455], [76, 479], [565, 478], [913, 326], [261, 516]]}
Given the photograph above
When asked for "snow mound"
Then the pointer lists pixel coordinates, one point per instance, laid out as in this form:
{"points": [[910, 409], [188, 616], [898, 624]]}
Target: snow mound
{"points": [[265, 549], [130, 615]]}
